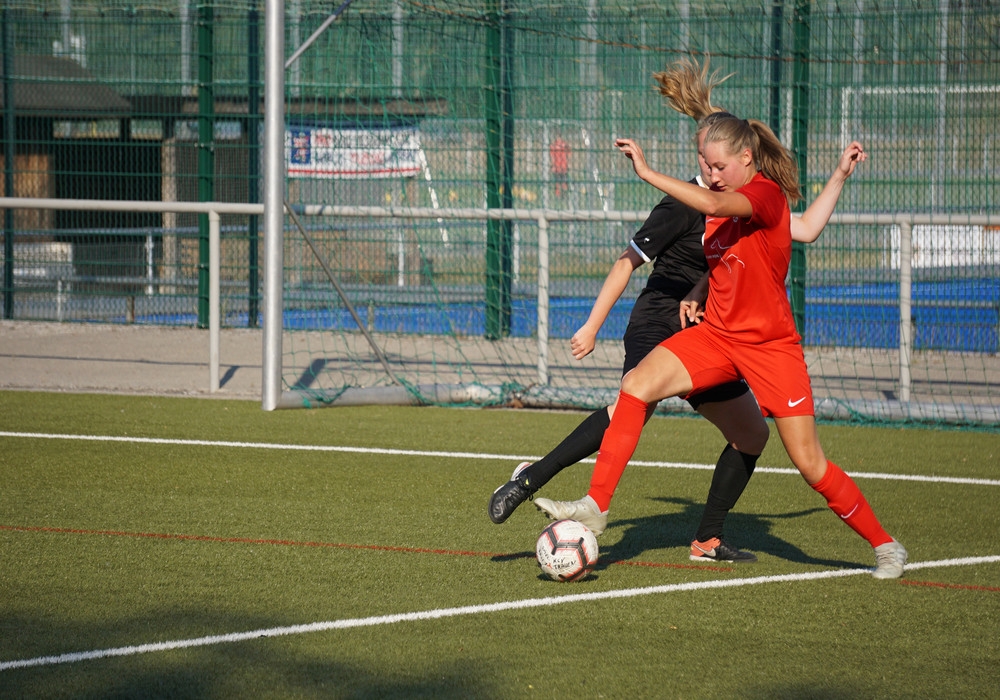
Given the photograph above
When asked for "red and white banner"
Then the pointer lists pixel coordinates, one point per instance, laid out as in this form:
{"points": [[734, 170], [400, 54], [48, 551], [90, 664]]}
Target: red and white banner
{"points": [[353, 153]]}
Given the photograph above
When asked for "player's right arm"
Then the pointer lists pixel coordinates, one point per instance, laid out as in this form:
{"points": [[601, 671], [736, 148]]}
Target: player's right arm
{"points": [[708, 201], [583, 341]]}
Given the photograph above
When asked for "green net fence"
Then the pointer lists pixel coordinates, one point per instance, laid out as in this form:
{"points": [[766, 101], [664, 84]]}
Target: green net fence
{"points": [[457, 106]]}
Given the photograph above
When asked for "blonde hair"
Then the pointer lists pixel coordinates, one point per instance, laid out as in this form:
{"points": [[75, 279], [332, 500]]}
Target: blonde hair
{"points": [[688, 87], [771, 158]]}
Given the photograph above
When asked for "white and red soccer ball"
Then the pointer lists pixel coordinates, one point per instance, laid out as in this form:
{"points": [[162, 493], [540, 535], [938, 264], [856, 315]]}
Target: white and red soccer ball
{"points": [[566, 550]]}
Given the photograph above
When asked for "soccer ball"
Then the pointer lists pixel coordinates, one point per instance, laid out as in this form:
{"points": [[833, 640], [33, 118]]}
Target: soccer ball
{"points": [[566, 550]]}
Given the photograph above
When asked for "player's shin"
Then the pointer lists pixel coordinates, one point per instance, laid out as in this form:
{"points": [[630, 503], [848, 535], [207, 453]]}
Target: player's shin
{"points": [[584, 441], [846, 500], [617, 447], [732, 474]]}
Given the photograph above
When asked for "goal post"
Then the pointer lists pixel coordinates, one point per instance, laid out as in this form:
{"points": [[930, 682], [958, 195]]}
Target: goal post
{"points": [[274, 187]]}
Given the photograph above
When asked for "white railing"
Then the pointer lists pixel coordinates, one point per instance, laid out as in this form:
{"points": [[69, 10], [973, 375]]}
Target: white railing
{"points": [[212, 209], [542, 217]]}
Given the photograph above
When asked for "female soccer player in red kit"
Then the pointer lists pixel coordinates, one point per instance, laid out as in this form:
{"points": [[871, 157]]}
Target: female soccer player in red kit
{"points": [[747, 331], [671, 240]]}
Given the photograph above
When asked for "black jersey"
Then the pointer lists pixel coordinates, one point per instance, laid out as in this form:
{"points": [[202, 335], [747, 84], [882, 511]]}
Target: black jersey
{"points": [[670, 237]]}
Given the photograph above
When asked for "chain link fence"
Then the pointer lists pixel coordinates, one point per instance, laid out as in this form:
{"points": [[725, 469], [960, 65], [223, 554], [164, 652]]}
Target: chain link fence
{"points": [[500, 104]]}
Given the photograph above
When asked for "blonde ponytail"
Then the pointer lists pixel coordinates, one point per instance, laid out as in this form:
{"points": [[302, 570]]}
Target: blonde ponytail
{"points": [[688, 87], [776, 162]]}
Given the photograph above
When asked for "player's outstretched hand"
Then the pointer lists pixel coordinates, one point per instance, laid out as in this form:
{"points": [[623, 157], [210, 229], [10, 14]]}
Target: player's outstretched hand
{"points": [[850, 158], [632, 151], [582, 343]]}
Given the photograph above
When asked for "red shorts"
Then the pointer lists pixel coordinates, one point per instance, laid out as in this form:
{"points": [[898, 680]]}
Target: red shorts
{"points": [[775, 370]]}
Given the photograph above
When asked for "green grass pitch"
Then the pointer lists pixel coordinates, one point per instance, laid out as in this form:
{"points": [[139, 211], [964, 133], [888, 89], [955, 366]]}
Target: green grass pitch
{"points": [[171, 547]]}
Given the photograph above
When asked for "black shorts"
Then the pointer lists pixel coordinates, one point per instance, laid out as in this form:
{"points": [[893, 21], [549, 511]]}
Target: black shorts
{"points": [[641, 338], [722, 392]]}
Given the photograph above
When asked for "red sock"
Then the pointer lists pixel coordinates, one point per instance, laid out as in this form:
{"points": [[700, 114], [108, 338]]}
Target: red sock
{"points": [[846, 500], [617, 447]]}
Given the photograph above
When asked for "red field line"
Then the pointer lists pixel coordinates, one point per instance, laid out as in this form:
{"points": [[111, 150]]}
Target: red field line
{"points": [[954, 586], [334, 545]]}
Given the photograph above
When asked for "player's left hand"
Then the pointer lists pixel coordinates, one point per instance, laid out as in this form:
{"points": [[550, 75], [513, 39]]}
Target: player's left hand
{"points": [[849, 159], [692, 306]]}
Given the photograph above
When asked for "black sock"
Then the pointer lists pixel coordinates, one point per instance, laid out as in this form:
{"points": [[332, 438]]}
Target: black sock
{"points": [[732, 473], [584, 441]]}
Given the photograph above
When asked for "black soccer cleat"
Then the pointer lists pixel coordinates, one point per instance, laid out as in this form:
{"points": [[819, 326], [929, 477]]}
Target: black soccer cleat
{"points": [[716, 549], [509, 496]]}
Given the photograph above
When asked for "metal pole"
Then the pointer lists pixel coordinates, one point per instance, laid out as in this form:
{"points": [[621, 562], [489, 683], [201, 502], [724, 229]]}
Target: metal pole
{"points": [[206, 145], [65, 18], [150, 263], [800, 148], [507, 145], [498, 280], [185, 20], [253, 165], [777, 17], [213, 300], [491, 107], [543, 301], [316, 34], [9, 146], [905, 299], [398, 34], [937, 194], [274, 190]]}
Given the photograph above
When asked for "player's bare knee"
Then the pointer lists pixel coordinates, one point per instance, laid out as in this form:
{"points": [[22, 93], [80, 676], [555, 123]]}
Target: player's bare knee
{"points": [[634, 385], [754, 442], [747, 436], [812, 468]]}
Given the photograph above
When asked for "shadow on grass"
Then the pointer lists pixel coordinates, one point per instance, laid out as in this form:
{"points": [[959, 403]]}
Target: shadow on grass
{"points": [[512, 556], [312, 666], [749, 531], [676, 529]]}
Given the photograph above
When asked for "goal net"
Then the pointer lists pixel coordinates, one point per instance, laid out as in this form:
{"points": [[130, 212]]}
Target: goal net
{"points": [[448, 241]]}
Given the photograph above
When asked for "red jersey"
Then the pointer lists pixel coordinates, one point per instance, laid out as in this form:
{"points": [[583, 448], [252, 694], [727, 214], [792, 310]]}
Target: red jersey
{"points": [[748, 261]]}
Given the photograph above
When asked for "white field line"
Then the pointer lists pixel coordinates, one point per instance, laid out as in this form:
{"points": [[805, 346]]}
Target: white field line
{"points": [[465, 455], [236, 637]]}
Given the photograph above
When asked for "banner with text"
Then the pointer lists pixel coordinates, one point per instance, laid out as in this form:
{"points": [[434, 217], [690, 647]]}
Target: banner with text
{"points": [[353, 153]]}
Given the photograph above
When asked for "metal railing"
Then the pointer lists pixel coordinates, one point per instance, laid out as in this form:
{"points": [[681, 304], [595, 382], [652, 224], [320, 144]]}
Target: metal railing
{"points": [[212, 209], [541, 217]]}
